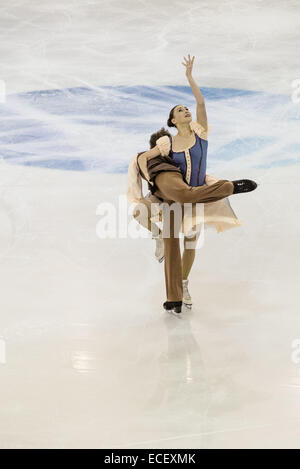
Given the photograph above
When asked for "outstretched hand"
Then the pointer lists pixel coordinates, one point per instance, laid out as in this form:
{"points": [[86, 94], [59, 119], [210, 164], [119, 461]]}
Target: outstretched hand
{"points": [[188, 64]]}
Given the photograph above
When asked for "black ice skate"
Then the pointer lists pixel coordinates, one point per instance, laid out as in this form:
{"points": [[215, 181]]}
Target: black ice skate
{"points": [[173, 306], [243, 185]]}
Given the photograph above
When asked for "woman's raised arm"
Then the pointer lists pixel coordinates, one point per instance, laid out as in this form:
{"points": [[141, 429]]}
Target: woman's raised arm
{"points": [[201, 110]]}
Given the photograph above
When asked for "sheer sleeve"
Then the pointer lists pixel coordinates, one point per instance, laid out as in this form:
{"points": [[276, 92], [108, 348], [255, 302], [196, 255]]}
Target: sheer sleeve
{"points": [[163, 144], [200, 130]]}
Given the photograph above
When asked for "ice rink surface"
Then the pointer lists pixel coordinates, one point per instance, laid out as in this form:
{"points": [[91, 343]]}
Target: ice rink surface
{"points": [[88, 357]]}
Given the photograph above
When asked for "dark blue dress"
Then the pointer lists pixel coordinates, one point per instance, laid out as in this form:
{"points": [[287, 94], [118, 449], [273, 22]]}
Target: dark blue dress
{"points": [[192, 161]]}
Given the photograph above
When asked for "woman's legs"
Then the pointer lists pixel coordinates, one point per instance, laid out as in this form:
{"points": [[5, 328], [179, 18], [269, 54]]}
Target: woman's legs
{"points": [[188, 255], [190, 245]]}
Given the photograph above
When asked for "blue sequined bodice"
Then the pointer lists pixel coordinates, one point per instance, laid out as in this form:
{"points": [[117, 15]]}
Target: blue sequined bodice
{"points": [[192, 161]]}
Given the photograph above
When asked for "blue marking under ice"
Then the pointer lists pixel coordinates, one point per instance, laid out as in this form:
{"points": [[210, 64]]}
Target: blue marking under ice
{"points": [[102, 128]]}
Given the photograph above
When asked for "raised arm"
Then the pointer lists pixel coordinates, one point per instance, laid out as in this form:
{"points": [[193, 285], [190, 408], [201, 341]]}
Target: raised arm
{"points": [[201, 110]]}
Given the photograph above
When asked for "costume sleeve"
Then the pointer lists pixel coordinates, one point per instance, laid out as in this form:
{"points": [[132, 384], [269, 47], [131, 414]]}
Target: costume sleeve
{"points": [[163, 144], [205, 133], [200, 130]]}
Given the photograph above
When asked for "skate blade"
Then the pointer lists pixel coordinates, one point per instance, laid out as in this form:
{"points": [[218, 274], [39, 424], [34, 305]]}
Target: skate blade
{"points": [[172, 312], [188, 306]]}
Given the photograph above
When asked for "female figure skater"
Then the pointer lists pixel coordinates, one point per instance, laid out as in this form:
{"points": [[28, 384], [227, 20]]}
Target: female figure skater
{"points": [[176, 172]]}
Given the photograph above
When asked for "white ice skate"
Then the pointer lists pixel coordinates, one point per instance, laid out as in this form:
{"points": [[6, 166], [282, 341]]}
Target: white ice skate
{"points": [[187, 300], [159, 251]]}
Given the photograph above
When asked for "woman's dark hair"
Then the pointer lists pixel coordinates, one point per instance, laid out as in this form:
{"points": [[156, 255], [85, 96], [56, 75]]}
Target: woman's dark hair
{"points": [[157, 135], [169, 123], [163, 131]]}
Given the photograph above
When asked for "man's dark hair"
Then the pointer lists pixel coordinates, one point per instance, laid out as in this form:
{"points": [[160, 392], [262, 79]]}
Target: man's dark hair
{"points": [[157, 135]]}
